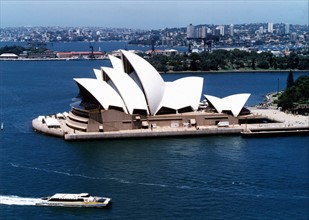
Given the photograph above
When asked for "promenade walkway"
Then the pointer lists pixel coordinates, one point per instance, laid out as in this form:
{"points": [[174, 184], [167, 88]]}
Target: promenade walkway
{"points": [[286, 120]]}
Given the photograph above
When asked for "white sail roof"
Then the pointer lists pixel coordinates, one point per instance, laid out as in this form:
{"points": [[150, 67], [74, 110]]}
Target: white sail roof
{"points": [[131, 94], [216, 102], [151, 81], [98, 74], [116, 63], [102, 92], [134, 85], [184, 92], [233, 103]]}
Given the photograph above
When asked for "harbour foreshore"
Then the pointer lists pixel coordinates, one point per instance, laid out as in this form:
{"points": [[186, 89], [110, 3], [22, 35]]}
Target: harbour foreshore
{"points": [[286, 124], [158, 132]]}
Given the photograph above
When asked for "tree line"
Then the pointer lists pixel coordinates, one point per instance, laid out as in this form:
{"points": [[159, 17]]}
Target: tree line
{"points": [[229, 60], [19, 49]]}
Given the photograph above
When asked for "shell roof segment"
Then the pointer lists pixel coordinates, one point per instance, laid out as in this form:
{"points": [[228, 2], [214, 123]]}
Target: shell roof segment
{"points": [[131, 94], [233, 103], [116, 63], [102, 92], [151, 81], [184, 92], [98, 74]]}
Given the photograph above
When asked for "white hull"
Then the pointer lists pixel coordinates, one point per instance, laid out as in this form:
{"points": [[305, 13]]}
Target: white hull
{"points": [[74, 204], [82, 200]]}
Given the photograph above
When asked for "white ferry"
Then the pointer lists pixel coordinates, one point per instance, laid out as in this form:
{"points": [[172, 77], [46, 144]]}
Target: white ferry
{"points": [[75, 200]]}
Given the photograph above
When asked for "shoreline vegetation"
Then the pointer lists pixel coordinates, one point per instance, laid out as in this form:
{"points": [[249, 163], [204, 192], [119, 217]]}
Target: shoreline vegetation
{"points": [[171, 71], [207, 61], [223, 60], [295, 97], [233, 71]]}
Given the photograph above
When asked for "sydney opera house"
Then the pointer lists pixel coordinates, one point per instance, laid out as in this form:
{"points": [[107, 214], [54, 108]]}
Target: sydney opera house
{"points": [[132, 95]]}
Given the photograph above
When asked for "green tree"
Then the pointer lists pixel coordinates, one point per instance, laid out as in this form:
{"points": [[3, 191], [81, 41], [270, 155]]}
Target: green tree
{"points": [[213, 64], [287, 98], [205, 65], [282, 62], [195, 61], [253, 63], [263, 64], [275, 64], [293, 60], [270, 58], [298, 93], [12, 49], [238, 64], [162, 68], [302, 85], [303, 63]]}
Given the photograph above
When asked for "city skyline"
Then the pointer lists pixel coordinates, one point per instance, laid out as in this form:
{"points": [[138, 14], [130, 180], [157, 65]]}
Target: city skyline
{"points": [[150, 14]]}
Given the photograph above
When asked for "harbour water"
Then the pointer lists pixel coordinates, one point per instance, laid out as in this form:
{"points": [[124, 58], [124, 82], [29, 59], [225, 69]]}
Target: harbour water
{"points": [[221, 177]]}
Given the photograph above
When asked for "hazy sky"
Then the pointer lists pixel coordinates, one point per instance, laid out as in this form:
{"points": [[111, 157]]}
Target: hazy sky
{"points": [[150, 14]]}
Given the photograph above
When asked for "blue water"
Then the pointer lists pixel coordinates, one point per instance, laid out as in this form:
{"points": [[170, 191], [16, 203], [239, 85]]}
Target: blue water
{"points": [[170, 178]]}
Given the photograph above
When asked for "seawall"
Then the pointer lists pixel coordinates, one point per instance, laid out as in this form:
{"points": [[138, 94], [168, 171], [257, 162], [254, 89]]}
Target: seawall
{"points": [[152, 133]]}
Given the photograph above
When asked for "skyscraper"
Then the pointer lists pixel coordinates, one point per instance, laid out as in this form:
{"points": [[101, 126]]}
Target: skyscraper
{"points": [[261, 30], [287, 28], [190, 31], [198, 32], [270, 28], [221, 29], [232, 30], [204, 32]]}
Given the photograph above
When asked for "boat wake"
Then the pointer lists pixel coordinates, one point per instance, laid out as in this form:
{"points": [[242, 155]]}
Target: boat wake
{"points": [[16, 200], [119, 180]]}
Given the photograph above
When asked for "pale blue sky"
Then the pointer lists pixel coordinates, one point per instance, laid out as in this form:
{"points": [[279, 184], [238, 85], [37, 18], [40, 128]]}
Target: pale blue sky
{"points": [[150, 14]]}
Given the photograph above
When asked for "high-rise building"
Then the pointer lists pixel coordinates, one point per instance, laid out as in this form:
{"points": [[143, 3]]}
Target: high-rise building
{"points": [[270, 28], [287, 28], [190, 31], [221, 29], [216, 31], [204, 31], [208, 30], [198, 31], [261, 30], [232, 30], [293, 36]]}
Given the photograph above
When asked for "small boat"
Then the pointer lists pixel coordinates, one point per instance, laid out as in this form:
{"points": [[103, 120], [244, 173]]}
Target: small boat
{"points": [[75, 200]]}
